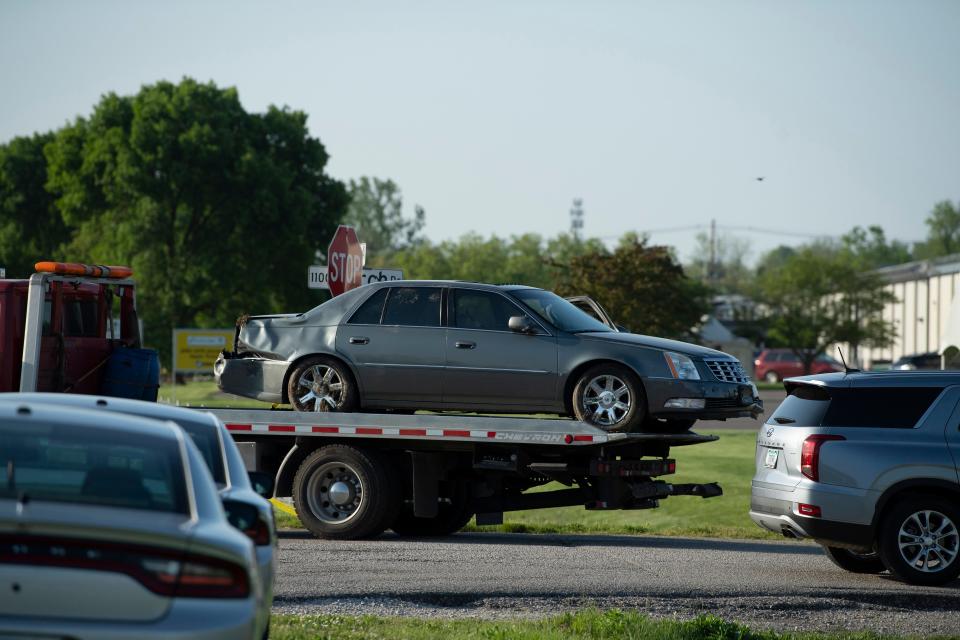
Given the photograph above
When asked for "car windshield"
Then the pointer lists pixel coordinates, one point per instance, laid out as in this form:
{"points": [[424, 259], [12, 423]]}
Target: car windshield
{"points": [[558, 312], [74, 464]]}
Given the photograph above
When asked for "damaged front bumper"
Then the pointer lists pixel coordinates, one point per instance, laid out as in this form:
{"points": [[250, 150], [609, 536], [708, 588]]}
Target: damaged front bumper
{"points": [[251, 376], [715, 400]]}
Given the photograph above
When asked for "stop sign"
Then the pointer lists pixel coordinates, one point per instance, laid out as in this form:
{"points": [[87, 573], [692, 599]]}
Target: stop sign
{"points": [[344, 261]]}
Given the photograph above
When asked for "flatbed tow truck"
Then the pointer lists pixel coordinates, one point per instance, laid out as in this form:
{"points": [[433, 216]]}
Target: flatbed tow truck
{"points": [[355, 475]]}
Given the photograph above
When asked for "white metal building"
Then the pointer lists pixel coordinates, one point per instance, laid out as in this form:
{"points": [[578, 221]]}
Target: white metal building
{"points": [[926, 313]]}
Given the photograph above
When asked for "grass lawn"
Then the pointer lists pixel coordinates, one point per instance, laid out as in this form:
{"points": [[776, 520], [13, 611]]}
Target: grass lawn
{"points": [[586, 625], [204, 393]]}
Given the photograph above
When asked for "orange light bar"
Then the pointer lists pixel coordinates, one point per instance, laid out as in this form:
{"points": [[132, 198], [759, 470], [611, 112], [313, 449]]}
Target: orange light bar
{"points": [[78, 269]]}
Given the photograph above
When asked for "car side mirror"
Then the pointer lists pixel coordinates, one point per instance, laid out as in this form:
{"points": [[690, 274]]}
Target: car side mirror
{"points": [[520, 324], [262, 483]]}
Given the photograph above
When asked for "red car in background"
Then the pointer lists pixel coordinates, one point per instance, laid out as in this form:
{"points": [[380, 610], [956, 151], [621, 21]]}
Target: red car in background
{"points": [[773, 365]]}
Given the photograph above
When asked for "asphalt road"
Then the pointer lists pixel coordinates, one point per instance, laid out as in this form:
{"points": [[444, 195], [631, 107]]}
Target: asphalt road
{"points": [[781, 585]]}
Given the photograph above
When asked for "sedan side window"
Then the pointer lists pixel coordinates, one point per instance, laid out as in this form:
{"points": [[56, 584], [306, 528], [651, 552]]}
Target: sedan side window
{"points": [[482, 310], [413, 307], [371, 310]]}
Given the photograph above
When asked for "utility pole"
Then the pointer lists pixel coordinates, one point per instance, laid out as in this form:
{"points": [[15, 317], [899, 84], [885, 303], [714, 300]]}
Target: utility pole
{"points": [[576, 218], [712, 265]]}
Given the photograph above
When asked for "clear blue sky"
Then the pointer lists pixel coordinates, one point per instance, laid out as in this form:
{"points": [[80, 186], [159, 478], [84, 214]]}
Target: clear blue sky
{"points": [[493, 117]]}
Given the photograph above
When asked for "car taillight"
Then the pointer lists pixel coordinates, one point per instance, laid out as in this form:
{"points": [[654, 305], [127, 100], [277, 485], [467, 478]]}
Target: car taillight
{"points": [[259, 532], [810, 454], [202, 577], [166, 572]]}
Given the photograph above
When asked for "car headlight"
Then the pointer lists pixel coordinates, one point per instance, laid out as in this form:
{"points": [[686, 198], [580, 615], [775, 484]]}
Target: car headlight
{"points": [[681, 366]]}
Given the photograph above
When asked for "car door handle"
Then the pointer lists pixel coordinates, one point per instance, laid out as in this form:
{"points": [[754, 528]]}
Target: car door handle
{"points": [[466, 345], [359, 340]]}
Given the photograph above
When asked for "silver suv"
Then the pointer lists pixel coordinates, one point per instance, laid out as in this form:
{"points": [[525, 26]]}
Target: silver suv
{"points": [[867, 465]]}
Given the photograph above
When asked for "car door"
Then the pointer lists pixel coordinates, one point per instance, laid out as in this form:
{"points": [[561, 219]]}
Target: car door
{"points": [[395, 342], [489, 365]]}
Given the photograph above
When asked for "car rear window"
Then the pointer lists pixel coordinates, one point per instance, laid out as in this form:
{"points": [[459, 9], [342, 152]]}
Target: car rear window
{"points": [[867, 407], [80, 465], [371, 310]]}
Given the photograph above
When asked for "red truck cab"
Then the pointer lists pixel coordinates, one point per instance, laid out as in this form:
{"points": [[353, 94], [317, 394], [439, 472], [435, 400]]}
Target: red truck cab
{"points": [[79, 323]]}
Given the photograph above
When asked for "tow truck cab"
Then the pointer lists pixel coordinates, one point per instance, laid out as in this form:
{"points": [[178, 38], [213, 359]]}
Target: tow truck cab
{"points": [[74, 324]]}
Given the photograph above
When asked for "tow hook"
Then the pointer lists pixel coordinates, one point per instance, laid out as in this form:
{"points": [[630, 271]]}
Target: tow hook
{"points": [[657, 490]]}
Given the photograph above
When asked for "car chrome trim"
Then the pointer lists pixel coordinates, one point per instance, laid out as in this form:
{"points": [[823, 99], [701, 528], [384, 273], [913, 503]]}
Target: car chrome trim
{"points": [[541, 371]]}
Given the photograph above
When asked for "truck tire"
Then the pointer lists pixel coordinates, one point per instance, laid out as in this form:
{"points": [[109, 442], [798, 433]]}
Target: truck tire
{"points": [[452, 515], [344, 493], [919, 540], [319, 383], [610, 396], [855, 562]]}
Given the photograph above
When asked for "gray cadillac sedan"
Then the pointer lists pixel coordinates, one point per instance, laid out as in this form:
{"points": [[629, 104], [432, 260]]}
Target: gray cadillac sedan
{"points": [[441, 345]]}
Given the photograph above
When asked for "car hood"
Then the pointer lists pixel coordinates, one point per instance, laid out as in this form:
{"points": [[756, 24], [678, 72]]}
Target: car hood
{"points": [[653, 342]]}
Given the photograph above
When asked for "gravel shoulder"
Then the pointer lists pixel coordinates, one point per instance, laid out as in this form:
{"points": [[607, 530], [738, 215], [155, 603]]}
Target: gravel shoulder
{"points": [[787, 586]]}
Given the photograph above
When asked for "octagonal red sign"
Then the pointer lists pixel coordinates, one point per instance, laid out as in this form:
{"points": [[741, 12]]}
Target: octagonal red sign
{"points": [[344, 261]]}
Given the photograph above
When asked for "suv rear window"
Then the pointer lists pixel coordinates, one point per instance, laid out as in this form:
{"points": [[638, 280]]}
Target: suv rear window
{"points": [[867, 407]]}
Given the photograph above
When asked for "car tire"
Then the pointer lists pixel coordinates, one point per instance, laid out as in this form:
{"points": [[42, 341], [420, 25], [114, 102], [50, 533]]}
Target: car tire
{"points": [[345, 493], [322, 384], [771, 377], [933, 523], [452, 515], [624, 388], [854, 562]]}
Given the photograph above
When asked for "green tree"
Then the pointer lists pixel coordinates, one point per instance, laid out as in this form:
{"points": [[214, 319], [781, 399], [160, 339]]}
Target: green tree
{"points": [[376, 210], [524, 259], [641, 286], [943, 232], [817, 299], [870, 248], [31, 227], [218, 210]]}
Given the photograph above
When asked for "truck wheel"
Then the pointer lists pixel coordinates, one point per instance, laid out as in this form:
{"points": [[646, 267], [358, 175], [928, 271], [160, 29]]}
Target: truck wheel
{"points": [[610, 396], [855, 562], [344, 493], [452, 515], [919, 540], [322, 384]]}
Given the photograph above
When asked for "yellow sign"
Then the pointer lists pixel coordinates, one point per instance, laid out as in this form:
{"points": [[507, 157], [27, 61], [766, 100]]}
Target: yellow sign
{"points": [[195, 350]]}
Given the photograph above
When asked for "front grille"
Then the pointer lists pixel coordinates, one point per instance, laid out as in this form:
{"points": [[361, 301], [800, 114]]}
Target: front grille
{"points": [[727, 370], [723, 403]]}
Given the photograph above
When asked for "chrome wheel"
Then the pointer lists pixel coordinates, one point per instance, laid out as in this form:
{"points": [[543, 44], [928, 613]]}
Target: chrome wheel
{"points": [[606, 400], [319, 388], [335, 493], [929, 541]]}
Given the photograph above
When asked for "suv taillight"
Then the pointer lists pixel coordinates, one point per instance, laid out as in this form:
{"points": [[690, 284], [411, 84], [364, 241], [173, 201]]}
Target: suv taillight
{"points": [[810, 455]]}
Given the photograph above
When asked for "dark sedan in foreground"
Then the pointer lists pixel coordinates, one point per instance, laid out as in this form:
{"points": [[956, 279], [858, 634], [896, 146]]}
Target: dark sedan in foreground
{"points": [[441, 345]]}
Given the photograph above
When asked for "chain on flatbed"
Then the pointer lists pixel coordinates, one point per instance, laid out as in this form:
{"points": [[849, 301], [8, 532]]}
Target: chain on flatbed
{"points": [[444, 427]]}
